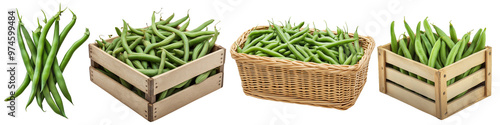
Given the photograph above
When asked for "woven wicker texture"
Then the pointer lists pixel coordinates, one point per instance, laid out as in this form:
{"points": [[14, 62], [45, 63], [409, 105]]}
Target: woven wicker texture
{"points": [[324, 85]]}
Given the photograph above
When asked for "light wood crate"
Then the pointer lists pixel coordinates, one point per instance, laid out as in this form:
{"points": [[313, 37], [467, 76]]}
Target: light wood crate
{"points": [[150, 108], [434, 99]]}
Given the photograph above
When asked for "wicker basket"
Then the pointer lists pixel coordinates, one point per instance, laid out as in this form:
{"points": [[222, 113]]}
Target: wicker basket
{"points": [[324, 85]]}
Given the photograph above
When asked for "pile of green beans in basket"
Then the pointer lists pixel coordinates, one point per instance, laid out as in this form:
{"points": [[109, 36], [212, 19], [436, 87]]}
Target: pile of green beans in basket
{"points": [[437, 49], [159, 48], [304, 44], [43, 69]]}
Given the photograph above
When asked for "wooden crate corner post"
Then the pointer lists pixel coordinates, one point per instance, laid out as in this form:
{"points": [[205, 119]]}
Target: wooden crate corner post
{"points": [[381, 71]]}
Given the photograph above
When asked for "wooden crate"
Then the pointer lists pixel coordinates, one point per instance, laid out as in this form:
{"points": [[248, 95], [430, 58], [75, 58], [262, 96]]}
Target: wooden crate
{"points": [[149, 108], [434, 99]]}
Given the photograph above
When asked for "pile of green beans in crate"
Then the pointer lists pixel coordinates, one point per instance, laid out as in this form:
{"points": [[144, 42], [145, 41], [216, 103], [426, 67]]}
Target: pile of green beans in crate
{"points": [[437, 49], [304, 44], [159, 48], [43, 68]]}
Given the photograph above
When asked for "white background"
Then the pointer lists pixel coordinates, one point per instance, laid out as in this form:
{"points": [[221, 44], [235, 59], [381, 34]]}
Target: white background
{"points": [[229, 105]]}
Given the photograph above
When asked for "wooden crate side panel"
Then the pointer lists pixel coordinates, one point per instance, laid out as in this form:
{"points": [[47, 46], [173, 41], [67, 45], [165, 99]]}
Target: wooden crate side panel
{"points": [[118, 91], [381, 69], [466, 83], [410, 65], [411, 98], [463, 65], [186, 96], [466, 100], [119, 68], [411, 83], [188, 71]]}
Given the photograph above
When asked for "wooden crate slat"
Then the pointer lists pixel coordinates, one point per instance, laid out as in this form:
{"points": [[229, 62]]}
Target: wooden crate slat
{"points": [[409, 82], [186, 96], [464, 64], [466, 100], [119, 68], [410, 65], [411, 98], [118, 91], [188, 71], [466, 83]]}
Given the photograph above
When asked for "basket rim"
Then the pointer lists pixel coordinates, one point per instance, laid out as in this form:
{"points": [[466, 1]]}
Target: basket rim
{"points": [[300, 65]]}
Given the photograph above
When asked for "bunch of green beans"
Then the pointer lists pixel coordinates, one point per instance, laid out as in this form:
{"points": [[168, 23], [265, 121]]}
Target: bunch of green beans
{"points": [[437, 49], [43, 68], [161, 47], [304, 44]]}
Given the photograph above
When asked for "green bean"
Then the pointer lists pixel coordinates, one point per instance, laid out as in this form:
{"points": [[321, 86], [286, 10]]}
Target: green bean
{"points": [[135, 30], [341, 42], [151, 72], [442, 53], [162, 62], [178, 22], [24, 54], [355, 59], [434, 54], [327, 58], [175, 59], [39, 99], [167, 20], [199, 39], [427, 44], [153, 27], [341, 55], [183, 37], [394, 41], [271, 45], [410, 33], [55, 93], [60, 80], [453, 33], [50, 101], [473, 44], [283, 50], [172, 46], [445, 37], [301, 51], [419, 50], [301, 33], [348, 60], [465, 39], [199, 33], [313, 42], [162, 43], [301, 38], [124, 38], [144, 57], [204, 50], [197, 51], [428, 32], [73, 48], [118, 31], [205, 24], [356, 42], [185, 25], [326, 39], [253, 42], [294, 51], [267, 51], [481, 42]]}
